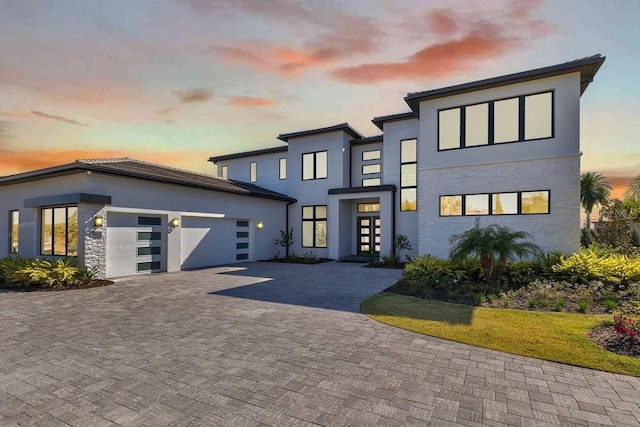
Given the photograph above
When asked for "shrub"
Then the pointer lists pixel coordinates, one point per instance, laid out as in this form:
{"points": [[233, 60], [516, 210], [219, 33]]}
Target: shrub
{"points": [[42, 273], [587, 266], [428, 268], [559, 304], [626, 321], [390, 259], [610, 303], [583, 305]]}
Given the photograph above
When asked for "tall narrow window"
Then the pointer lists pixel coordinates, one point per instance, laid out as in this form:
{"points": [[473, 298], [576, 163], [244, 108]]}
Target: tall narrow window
{"points": [[253, 172], [449, 129], [314, 165], [408, 174], [283, 168], [314, 226], [224, 170], [538, 116], [476, 119], [506, 122], [59, 231], [14, 228]]}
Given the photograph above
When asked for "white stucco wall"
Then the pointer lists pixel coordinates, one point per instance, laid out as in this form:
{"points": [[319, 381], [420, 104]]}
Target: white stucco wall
{"points": [[268, 168], [394, 132], [357, 162]]}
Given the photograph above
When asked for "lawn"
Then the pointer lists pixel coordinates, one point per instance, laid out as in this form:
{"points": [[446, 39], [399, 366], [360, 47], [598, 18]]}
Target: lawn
{"points": [[558, 337]]}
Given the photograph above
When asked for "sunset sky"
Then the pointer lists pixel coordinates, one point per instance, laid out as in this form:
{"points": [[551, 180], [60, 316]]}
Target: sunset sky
{"points": [[178, 81]]}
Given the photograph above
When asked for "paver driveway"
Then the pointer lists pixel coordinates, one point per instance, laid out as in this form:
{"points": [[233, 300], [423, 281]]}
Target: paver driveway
{"points": [[270, 344]]}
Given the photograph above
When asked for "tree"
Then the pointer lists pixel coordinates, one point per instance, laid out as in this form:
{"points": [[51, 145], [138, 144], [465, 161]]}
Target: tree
{"points": [[495, 245], [633, 190], [593, 191]]}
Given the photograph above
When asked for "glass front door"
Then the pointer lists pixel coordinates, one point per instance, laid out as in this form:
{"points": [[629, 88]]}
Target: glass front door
{"points": [[368, 234]]}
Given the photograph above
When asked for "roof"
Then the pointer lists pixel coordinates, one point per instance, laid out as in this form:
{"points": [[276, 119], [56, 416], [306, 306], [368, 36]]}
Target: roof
{"points": [[344, 127], [381, 120], [148, 171], [588, 67], [240, 155], [367, 140]]}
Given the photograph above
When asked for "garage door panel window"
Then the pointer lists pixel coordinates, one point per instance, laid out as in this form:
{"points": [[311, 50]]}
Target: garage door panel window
{"points": [[149, 235], [150, 250], [148, 266], [314, 226], [59, 231], [149, 220]]}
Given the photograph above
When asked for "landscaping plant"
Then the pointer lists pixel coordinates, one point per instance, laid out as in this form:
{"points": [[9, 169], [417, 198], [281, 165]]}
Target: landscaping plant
{"points": [[626, 321]]}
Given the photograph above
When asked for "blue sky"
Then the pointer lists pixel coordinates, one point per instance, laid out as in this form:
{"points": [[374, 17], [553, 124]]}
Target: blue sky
{"points": [[177, 81]]}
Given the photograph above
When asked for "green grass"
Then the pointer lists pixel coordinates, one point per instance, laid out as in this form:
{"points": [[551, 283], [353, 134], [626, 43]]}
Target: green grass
{"points": [[558, 337]]}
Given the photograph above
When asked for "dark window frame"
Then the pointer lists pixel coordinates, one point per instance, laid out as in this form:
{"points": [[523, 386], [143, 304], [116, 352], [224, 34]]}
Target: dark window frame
{"points": [[491, 118], [11, 224], [369, 165], [66, 230], [315, 220], [253, 172], [282, 176], [378, 150], [314, 155], [490, 195], [372, 179], [408, 187]]}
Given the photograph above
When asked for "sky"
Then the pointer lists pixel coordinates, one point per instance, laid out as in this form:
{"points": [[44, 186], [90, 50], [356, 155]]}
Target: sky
{"points": [[177, 81]]}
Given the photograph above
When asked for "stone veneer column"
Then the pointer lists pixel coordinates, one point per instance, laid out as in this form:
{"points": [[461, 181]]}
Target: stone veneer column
{"points": [[92, 240]]}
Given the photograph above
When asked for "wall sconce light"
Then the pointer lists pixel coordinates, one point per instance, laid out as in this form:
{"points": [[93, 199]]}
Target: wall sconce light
{"points": [[175, 222], [98, 221], [259, 225]]}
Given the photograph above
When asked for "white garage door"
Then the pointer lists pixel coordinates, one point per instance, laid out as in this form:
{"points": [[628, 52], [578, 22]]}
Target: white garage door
{"points": [[212, 241], [135, 244]]}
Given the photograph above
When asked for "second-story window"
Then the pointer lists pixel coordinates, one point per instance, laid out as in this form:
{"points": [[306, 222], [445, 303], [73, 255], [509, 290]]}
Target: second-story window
{"points": [[253, 172], [314, 165], [283, 168], [408, 174]]}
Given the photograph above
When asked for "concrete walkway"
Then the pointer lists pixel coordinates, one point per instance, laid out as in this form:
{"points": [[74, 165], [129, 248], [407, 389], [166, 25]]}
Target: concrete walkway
{"points": [[270, 344]]}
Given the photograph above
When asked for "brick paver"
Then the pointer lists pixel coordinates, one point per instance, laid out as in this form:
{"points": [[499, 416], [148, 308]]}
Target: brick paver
{"points": [[270, 344]]}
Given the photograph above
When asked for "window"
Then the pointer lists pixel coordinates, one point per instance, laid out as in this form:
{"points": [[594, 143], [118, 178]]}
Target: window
{"points": [[476, 204], [148, 266], [242, 234], [369, 169], [371, 155], [14, 228], [371, 182], [243, 224], [522, 118], [524, 203], [537, 116], [59, 231], [283, 168], [534, 202], [368, 207], [149, 220], [253, 172], [504, 204], [224, 170], [476, 122], [314, 226], [151, 250], [450, 205], [408, 174], [149, 235], [314, 165]]}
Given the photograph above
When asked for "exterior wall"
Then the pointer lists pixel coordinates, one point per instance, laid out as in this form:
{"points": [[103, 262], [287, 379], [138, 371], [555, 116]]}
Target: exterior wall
{"points": [[268, 167], [357, 163], [566, 140], [394, 132], [136, 196], [556, 231]]}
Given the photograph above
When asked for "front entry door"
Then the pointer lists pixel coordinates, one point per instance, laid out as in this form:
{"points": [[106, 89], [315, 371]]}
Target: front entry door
{"points": [[368, 234]]}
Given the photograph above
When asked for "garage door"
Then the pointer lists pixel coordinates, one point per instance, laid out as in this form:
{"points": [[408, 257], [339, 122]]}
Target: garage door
{"points": [[212, 241], [135, 244]]}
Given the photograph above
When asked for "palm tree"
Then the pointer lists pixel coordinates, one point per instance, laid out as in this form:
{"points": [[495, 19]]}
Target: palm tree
{"points": [[633, 190], [495, 245], [593, 191]]}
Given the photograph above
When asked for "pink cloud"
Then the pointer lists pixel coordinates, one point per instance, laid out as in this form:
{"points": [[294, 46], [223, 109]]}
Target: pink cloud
{"points": [[250, 101], [193, 96], [442, 22]]}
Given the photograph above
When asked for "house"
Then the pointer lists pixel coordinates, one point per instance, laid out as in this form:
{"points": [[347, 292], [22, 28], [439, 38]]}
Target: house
{"points": [[505, 149], [127, 217]]}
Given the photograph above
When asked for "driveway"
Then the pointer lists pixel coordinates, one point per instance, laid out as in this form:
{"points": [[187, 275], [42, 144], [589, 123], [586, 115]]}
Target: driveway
{"points": [[270, 344]]}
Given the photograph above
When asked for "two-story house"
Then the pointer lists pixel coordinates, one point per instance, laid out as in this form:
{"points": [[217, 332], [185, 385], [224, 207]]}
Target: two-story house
{"points": [[505, 148]]}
